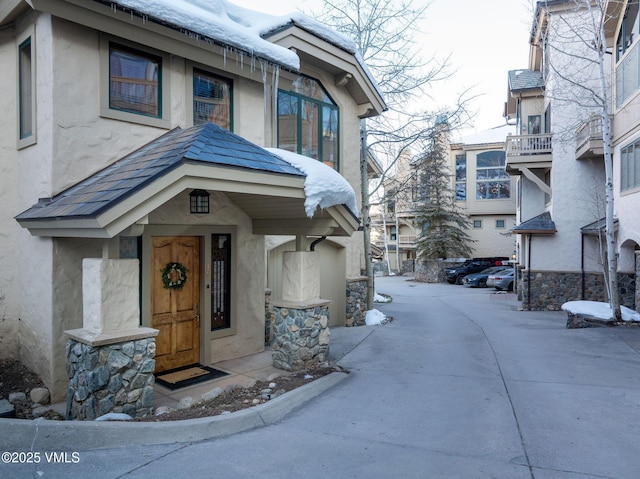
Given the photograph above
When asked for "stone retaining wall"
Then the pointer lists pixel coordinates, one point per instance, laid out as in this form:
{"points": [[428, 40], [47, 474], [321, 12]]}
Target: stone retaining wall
{"points": [[300, 335], [550, 289], [356, 301], [432, 271], [110, 378], [268, 318]]}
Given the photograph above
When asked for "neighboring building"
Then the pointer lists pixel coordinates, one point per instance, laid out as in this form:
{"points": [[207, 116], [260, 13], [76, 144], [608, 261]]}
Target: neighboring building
{"points": [[557, 155], [109, 155], [484, 191]]}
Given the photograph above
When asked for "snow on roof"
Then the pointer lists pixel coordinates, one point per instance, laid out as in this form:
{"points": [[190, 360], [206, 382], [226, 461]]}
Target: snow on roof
{"points": [[323, 186], [222, 21], [237, 27], [497, 134]]}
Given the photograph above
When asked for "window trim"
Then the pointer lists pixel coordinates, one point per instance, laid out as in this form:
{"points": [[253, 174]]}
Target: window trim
{"points": [[21, 41], [191, 67], [164, 120], [477, 224], [500, 224]]}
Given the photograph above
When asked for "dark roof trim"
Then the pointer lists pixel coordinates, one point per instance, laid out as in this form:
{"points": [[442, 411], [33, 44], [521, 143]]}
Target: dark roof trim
{"points": [[206, 144], [539, 225], [597, 227]]}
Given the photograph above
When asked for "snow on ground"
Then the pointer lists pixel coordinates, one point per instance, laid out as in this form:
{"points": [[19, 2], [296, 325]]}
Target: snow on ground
{"points": [[377, 298], [374, 317], [599, 310], [323, 187]]}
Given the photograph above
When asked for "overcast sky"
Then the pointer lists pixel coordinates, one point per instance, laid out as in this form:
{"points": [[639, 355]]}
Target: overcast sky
{"points": [[484, 38]]}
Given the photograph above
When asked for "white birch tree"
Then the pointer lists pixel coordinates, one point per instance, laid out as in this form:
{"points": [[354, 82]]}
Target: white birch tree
{"points": [[577, 57], [385, 32]]}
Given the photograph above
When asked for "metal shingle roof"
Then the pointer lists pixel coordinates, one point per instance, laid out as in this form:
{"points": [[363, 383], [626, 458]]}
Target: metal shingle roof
{"points": [[204, 144], [520, 80]]}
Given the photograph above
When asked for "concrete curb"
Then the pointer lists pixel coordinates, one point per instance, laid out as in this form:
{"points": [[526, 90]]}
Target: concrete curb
{"points": [[23, 435]]}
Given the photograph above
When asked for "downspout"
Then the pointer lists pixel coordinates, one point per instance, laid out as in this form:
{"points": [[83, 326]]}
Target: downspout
{"points": [[582, 273], [529, 275], [315, 242]]}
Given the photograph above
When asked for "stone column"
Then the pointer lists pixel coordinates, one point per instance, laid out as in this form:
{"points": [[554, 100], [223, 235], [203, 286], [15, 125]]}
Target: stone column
{"points": [[301, 318], [110, 360], [637, 295]]}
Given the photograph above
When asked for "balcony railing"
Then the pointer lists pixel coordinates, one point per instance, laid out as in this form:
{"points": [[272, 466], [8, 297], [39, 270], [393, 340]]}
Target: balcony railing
{"points": [[530, 151], [589, 137], [404, 241], [407, 240]]}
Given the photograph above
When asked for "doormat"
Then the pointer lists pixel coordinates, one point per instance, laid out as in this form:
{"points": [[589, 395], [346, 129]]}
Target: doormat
{"points": [[188, 376]]}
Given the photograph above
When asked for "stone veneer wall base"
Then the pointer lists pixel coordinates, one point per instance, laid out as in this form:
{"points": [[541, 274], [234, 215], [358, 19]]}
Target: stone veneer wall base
{"points": [[110, 373], [357, 289], [300, 334], [549, 290]]}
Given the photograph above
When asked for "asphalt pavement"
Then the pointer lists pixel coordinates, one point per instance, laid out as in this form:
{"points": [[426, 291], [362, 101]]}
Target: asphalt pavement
{"points": [[459, 385]]}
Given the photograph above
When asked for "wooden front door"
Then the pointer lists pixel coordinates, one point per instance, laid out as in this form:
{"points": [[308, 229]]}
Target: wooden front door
{"points": [[175, 311]]}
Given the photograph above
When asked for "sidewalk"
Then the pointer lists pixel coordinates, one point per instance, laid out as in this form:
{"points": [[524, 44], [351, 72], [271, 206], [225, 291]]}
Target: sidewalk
{"points": [[42, 434]]}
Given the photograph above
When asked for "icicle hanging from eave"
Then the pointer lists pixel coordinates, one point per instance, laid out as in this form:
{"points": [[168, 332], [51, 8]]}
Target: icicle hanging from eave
{"points": [[275, 79]]}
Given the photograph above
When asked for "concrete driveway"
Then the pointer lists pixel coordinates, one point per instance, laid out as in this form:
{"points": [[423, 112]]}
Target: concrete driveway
{"points": [[458, 385]]}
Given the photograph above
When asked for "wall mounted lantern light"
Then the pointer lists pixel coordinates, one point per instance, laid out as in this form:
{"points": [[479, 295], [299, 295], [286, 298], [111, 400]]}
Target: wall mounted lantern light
{"points": [[199, 201]]}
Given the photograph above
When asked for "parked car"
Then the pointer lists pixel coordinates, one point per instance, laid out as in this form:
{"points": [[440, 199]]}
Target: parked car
{"points": [[502, 281], [455, 274], [479, 280]]}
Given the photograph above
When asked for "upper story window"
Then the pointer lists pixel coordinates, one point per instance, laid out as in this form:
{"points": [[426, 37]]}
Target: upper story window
{"points": [[630, 166], [135, 81], [308, 121], [492, 181], [629, 29], [212, 99], [628, 69], [461, 177], [133, 87], [26, 93]]}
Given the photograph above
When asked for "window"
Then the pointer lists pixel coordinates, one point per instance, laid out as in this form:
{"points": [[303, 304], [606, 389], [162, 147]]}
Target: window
{"points": [[492, 181], [477, 224], [132, 85], [533, 125], [629, 29], [627, 70], [308, 121], [461, 177], [220, 281], [134, 81], [630, 166], [26, 93], [212, 100], [499, 224]]}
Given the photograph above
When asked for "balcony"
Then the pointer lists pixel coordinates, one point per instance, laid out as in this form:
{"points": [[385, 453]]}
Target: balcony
{"points": [[528, 152], [589, 143], [403, 242]]}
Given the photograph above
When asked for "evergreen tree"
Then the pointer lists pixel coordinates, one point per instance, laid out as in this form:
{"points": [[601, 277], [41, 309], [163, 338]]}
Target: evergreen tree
{"points": [[442, 222]]}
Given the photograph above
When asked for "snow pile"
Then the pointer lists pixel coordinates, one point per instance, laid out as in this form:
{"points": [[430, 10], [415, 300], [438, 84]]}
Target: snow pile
{"points": [[375, 317], [377, 298], [323, 187], [598, 310]]}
